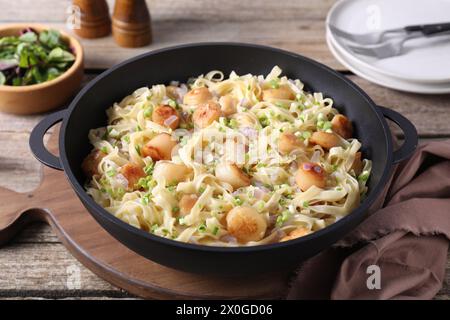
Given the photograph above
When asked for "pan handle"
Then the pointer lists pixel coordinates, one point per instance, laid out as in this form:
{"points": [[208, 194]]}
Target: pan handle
{"points": [[409, 131], [37, 140]]}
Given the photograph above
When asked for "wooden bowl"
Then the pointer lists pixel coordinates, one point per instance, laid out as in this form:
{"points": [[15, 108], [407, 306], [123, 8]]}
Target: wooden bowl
{"points": [[44, 96]]}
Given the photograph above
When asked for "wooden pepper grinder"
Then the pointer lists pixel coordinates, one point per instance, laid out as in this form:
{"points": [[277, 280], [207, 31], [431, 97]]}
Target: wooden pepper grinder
{"points": [[131, 23], [94, 18]]}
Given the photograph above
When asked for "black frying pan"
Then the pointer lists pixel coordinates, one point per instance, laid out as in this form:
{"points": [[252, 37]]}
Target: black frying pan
{"points": [[87, 111]]}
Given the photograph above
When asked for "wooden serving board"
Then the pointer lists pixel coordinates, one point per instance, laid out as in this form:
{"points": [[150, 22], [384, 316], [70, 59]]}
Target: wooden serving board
{"points": [[55, 202]]}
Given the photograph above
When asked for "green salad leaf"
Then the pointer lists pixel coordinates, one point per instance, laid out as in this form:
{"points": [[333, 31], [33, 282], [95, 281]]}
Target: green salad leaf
{"points": [[28, 37], [51, 39], [33, 57]]}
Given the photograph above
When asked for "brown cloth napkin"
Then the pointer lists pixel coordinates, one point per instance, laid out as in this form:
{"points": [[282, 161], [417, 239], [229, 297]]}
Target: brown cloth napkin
{"points": [[407, 238]]}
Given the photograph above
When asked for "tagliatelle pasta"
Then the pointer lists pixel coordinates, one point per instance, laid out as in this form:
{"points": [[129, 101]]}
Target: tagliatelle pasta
{"points": [[237, 161]]}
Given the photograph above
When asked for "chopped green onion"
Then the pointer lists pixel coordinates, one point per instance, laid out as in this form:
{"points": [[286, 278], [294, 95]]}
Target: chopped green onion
{"points": [[327, 125], [201, 189], [120, 192], [154, 227], [145, 199], [111, 173], [138, 128], [282, 218], [173, 103], [238, 201], [126, 138], [138, 149], [261, 205], [281, 105], [148, 112], [215, 231], [223, 121], [142, 183], [264, 121], [274, 83], [175, 209], [306, 135], [151, 184], [202, 228], [232, 123], [305, 204], [320, 124], [279, 221], [149, 168], [363, 177], [104, 149]]}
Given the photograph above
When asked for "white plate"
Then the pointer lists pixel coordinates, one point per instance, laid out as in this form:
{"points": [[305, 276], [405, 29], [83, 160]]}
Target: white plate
{"points": [[425, 60], [386, 81]]}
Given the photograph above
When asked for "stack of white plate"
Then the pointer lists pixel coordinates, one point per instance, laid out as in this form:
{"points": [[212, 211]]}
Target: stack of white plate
{"points": [[424, 65]]}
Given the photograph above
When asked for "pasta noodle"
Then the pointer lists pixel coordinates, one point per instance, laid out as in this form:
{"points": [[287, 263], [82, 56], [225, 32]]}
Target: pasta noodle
{"points": [[238, 161]]}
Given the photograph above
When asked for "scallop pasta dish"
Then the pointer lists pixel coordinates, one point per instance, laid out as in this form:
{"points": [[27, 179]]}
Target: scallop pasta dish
{"points": [[238, 161]]}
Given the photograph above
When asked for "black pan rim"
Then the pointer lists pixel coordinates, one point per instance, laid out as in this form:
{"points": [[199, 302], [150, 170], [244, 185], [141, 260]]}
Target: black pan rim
{"points": [[355, 214]]}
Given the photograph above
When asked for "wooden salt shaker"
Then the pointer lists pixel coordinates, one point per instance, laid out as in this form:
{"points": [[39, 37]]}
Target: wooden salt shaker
{"points": [[131, 23], [94, 18]]}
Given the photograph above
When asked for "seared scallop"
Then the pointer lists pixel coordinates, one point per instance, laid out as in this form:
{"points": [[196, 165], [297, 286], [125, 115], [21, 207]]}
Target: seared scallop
{"points": [[281, 93], [159, 147], [171, 172], [246, 224], [342, 126], [232, 174], [197, 96], [228, 105], [166, 116], [296, 233], [132, 172], [206, 114], [288, 142], [310, 174], [91, 162], [326, 140]]}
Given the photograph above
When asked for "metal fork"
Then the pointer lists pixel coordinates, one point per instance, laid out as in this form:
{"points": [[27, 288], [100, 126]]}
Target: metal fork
{"points": [[389, 48], [364, 38], [377, 36]]}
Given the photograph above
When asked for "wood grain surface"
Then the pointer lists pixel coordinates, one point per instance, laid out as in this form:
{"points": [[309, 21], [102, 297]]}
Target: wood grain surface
{"points": [[35, 262]]}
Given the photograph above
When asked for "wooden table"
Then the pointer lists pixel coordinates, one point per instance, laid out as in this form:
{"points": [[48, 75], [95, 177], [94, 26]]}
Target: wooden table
{"points": [[35, 264]]}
